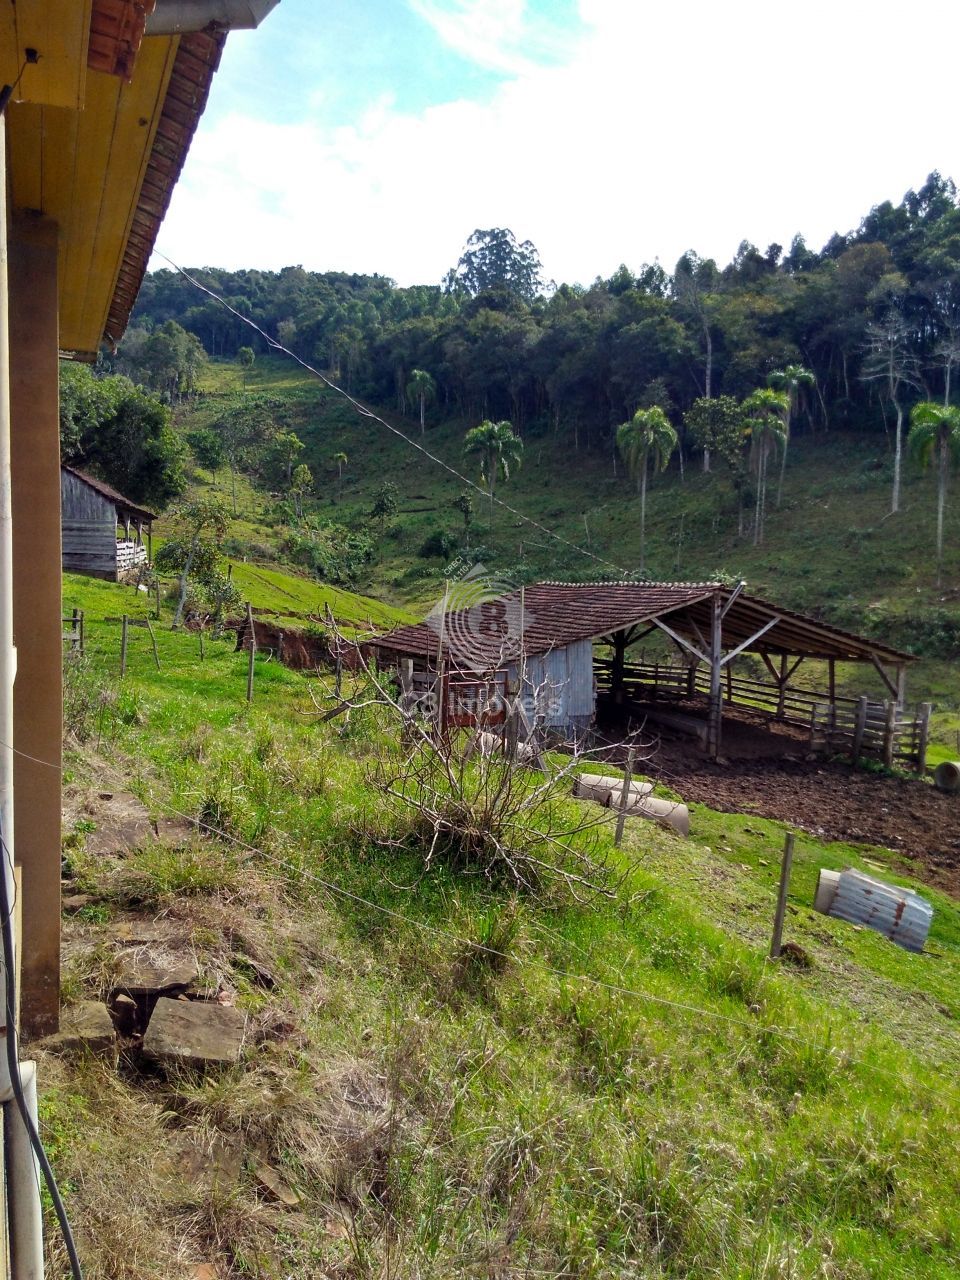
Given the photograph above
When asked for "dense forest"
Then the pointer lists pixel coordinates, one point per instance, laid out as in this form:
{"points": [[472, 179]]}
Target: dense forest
{"points": [[874, 316]]}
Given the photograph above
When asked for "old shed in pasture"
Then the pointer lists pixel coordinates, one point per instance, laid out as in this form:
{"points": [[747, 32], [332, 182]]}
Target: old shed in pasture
{"points": [[566, 646], [102, 531]]}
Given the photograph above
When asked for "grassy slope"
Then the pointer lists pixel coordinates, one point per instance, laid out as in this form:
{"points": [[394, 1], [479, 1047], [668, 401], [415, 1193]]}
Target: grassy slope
{"points": [[830, 549], [438, 1116]]}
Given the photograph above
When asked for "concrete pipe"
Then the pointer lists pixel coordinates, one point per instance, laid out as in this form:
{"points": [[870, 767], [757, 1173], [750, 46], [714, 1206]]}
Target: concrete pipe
{"points": [[827, 885], [669, 813], [607, 790], [946, 776]]}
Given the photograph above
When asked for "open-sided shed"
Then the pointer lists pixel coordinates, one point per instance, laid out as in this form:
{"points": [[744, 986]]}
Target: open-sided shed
{"points": [[551, 631]]}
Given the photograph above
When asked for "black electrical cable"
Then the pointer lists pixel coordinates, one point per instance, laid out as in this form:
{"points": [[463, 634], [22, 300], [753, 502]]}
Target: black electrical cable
{"points": [[13, 1063]]}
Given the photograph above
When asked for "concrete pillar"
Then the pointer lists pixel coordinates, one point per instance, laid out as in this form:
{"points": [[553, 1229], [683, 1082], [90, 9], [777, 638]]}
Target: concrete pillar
{"points": [[37, 608]]}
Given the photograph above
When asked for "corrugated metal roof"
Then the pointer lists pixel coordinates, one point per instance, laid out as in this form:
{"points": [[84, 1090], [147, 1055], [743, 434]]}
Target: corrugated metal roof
{"points": [[554, 614], [107, 491]]}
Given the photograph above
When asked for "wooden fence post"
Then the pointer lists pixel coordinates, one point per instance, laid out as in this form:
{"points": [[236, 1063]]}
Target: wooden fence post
{"points": [[123, 647], [624, 798], [923, 735], [889, 731], [253, 651], [200, 633], [859, 727], [80, 628], [158, 599], [785, 868], [153, 641]]}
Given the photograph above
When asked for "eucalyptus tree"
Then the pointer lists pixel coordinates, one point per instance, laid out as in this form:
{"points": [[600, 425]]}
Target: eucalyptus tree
{"points": [[421, 388], [890, 362], [301, 482], [935, 433], [341, 460], [646, 442], [766, 412], [790, 379], [498, 450]]}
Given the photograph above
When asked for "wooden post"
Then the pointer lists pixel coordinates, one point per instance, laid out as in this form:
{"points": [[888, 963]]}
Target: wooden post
{"points": [[511, 725], [253, 651], [153, 641], [859, 727], [616, 667], [80, 630], [158, 599], [729, 670], [782, 687], [785, 867], [691, 679], [123, 647], [624, 798], [923, 736], [889, 732], [901, 685], [200, 633], [716, 674]]}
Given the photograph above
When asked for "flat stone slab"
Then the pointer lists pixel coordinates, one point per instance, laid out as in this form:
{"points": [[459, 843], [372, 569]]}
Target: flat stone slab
{"points": [[194, 1033], [141, 976], [85, 1028]]}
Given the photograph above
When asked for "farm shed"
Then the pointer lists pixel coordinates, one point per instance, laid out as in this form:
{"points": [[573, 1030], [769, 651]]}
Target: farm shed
{"points": [[572, 641], [92, 518]]}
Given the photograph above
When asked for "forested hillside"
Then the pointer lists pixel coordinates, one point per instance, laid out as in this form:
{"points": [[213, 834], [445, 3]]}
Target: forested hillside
{"points": [[499, 344]]}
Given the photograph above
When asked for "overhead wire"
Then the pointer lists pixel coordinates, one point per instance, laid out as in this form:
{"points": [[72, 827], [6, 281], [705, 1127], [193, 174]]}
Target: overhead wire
{"points": [[366, 412]]}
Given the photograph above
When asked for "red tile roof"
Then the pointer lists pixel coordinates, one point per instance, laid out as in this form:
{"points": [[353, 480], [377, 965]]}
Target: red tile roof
{"points": [[549, 615]]}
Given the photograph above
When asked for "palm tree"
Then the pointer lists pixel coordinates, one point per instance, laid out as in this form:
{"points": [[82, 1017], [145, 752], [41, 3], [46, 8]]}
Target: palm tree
{"points": [[499, 450], [790, 380], [766, 412], [341, 460], [647, 439], [423, 388], [935, 429]]}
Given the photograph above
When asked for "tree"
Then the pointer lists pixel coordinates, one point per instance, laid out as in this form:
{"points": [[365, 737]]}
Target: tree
{"points": [[891, 362], [199, 529], [421, 388], [766, 412], [386, 503], [285, 448], [935, 432], [207, 447], [498, 449], [168, 360], [300, 484], [646, 440], [463, 503], [791, 380], [341, 461], [493, 260], [122, 433], [245, 359], [696, 281]]}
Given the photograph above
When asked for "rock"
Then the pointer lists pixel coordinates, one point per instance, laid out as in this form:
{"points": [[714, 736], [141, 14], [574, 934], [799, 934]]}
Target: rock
{"points": [[194, 1033], [140, 977], [74, 902], [210, 1167], [271, 1181], [125, 1013], [85, 1028]]}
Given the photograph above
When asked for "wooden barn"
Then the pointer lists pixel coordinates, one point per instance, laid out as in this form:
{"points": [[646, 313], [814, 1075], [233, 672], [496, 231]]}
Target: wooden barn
{"points": [[565, 647], [102, 531]]}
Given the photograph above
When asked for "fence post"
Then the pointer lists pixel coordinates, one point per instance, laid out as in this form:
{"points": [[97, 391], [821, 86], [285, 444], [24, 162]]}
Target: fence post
{"points": [[158, 599], [123, 647], [889, 731], [253, 651], [200, 633], [153, 641], [859, 728], [80, 629], [785, 868], [923, 735], [624, 797]]}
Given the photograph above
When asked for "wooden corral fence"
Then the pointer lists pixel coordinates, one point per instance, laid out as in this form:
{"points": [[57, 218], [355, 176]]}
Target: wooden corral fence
{"points": [[847, 726], [73, 630]]}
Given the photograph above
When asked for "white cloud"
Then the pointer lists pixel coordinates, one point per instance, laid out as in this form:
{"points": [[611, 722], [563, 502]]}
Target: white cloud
{"points": [[692, 124]]}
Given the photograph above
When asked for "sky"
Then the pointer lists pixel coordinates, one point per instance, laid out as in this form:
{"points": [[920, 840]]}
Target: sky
{"points": [[376, 135]]}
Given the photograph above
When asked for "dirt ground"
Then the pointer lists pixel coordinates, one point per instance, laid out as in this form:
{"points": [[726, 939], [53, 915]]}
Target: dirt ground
{"points": [[766, 771]]}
